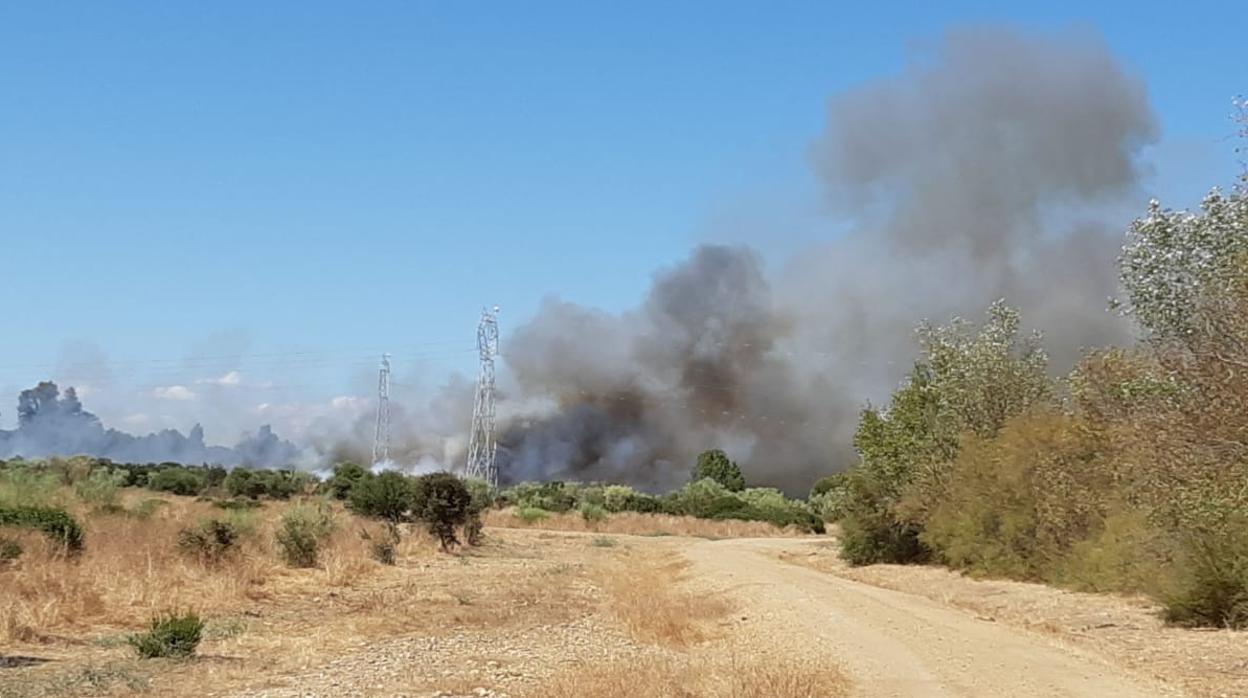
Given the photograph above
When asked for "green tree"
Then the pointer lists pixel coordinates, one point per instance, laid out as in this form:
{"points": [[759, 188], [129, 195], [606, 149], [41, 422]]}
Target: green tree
{"points": [[388, 496], [345, 477], [442, 502], [1174, 258], [969, 380], [716, 465]]}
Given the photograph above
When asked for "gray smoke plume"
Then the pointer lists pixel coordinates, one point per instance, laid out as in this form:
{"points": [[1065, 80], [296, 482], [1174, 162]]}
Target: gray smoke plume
{"points": [[50, 423], [985, 170]]}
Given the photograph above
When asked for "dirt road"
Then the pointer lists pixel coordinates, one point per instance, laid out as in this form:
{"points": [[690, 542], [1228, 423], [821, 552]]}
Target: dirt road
{"points": [[891, 643]]}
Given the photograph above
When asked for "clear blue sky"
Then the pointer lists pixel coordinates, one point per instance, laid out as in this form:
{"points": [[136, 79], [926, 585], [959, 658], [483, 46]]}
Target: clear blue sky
{"points": [[205, 179]]}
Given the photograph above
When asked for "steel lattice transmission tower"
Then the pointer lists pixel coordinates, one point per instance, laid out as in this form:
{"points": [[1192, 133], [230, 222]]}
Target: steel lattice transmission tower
{"points": [[481, 445], [381, 436]]}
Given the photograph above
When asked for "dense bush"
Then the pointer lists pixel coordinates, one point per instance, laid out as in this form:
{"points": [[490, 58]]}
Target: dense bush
{"points": [[274, 484], [388, 496], [442, 501], [1213, 580], [969, 381], [532, 514], [100, 488], [302, 531], [715, 465], [828, 496], [552, 496], [177, 480], [593, 513], [344, 479], [170, 635], [56, 524]]}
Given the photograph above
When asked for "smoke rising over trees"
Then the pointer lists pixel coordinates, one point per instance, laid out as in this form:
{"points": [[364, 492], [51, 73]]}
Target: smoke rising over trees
{"points": [[997, 164], [987, 169]]}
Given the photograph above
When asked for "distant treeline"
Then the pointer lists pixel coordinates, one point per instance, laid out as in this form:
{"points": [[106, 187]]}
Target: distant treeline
{"points": [[176, 478]]}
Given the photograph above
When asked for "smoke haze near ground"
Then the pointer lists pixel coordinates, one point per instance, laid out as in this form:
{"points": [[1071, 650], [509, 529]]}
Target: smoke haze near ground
{"points": [[983, 171], [52, 423]]}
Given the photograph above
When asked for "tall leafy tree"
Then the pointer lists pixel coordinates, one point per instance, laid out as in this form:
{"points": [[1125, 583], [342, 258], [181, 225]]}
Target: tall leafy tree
{"points": [[716, 465]]}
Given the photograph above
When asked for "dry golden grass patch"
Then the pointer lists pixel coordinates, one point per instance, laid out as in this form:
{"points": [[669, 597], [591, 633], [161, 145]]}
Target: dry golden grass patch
{"points": [[264, 619], [647, 595], [683, 678], [131, 568], [632, 523]]}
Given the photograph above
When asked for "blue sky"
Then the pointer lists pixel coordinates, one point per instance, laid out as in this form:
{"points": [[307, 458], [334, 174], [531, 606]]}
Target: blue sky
{"points": [[270, 194]]}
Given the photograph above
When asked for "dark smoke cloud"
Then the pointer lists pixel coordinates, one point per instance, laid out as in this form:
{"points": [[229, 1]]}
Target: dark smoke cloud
{"points": [[50, 423], [985, 170]]}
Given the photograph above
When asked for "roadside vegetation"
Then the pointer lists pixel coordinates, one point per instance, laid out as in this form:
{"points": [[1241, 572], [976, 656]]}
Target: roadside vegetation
{"points": [[716, 492], [1127, 475]]}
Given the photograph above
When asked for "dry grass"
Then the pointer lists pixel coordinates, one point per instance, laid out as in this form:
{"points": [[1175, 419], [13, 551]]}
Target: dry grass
{"points": [[265, 619], [647, 597], [131, 569], [631, 523], [686, 678]]}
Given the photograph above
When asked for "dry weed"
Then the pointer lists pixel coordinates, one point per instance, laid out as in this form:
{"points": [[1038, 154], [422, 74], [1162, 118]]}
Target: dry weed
{"points": [[132, 568], [646, 595], [684, 678]]}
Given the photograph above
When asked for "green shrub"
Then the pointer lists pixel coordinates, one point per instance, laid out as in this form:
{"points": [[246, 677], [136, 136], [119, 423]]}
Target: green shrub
{"points": [[553, 496], [442, 501], [827, 497], [1212, 587], [170, 635], [643, 503], [705, 498], [593, 513], [482, 493], [532, 514], [388, 496], [56, 524], [303, 530], [1017, 504], [616, 498], [603, 542], [25, 485], [100, 488], [344, 479], [177, 480], [275, 484], [212, 541]]}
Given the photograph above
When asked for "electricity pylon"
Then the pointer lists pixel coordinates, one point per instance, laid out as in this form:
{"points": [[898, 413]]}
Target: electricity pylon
{"points": [[481, 444], [381, 436]]}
